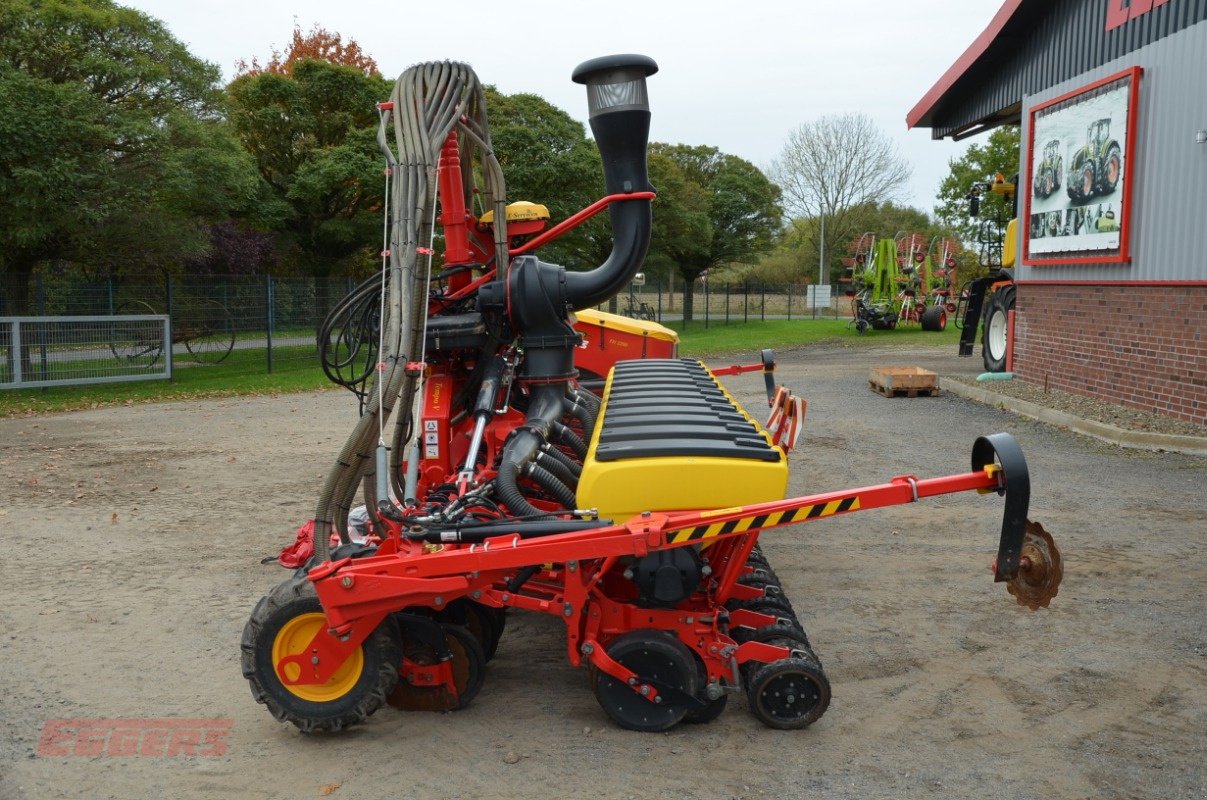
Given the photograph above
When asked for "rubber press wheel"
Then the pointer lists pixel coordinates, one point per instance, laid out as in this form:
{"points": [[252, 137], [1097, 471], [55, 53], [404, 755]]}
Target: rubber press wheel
{"points": [[283, 623], [788, 694], [655, 656]]}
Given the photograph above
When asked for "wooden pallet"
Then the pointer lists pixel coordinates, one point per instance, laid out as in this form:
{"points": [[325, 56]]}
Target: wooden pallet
{"points": [[903, 382]]}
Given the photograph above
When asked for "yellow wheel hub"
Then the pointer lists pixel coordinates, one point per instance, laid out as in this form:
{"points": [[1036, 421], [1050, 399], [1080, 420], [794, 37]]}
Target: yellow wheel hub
{"points": [[292, 640]]}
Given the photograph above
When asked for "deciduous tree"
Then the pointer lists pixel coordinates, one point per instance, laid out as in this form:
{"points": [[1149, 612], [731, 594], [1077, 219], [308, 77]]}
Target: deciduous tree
{"points": [[312, 133], [999, 153], [115, 154], [319, 44], [837, 163], [743, 212]]}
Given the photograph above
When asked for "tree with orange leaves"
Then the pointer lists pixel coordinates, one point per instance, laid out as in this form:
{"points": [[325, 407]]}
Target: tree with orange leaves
{"points": [[319, 44]]}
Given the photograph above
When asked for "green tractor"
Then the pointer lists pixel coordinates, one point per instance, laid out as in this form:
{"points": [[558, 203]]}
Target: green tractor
{"points": [[1096, 167], [1048, 171]]}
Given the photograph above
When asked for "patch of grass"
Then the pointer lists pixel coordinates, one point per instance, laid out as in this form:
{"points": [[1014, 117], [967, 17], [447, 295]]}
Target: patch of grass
{"points": [[243, 372], [717, 338], [296, 369]]}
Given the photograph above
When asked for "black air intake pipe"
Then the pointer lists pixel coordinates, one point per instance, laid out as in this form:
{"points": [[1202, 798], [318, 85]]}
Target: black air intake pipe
{"points": [[619, 109], [537, 297]]}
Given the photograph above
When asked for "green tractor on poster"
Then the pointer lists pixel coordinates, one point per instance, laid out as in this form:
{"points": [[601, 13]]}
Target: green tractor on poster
{"points": [[1049, 170], [1096, 167]]}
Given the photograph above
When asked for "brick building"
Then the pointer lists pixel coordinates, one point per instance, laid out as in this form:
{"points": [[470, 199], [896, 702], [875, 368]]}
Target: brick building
{"points": [[1111, 100]]}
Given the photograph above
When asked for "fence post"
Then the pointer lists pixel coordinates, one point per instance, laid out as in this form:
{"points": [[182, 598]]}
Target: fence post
{"points": [[659, 285], [109, 283], [268, 311], [746, 301], [706, 303], [727, 289], [17, 347], [762, 301], [43, 349], [789, 301], [168, 300]]}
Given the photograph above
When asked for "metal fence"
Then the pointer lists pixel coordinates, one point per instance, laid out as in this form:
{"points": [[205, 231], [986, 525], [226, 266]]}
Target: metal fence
{"points": [[258, 324], [62, 351], [728, 303]]}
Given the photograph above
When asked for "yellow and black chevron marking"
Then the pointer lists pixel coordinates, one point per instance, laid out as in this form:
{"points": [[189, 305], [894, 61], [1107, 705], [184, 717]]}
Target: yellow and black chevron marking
{"points": [[766, 520]]}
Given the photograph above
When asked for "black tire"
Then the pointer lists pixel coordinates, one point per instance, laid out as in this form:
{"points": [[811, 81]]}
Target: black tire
{"points": [[759, 575], [1112, 169], [861, 327], [934, 318], [714, 709], [787, 627], [993, 335], [788, 694], [653, 654], [1089, 180], [288, 607], [772, 605]]}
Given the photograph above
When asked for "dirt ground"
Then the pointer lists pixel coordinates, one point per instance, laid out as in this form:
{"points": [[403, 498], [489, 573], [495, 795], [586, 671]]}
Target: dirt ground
{"points": [[134, 535]]}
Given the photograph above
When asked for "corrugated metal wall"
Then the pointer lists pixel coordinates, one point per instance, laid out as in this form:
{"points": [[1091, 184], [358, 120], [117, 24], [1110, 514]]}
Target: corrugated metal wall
{"points": [[1059, 40], [1169, 170]]}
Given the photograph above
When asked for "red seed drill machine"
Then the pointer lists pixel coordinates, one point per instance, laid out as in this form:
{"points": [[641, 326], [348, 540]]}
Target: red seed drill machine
{"points": [[547, 458]]}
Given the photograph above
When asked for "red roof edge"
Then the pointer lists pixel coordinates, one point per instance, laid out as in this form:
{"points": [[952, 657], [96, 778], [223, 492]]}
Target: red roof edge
{"points": [[953, 73]]}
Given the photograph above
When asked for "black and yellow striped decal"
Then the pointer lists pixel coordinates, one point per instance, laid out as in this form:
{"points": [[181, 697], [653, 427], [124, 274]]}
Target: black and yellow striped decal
{"points": [[766, 520]]}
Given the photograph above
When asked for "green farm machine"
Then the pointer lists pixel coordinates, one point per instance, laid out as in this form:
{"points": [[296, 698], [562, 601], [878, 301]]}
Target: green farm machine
{"points": [[894, 281]]}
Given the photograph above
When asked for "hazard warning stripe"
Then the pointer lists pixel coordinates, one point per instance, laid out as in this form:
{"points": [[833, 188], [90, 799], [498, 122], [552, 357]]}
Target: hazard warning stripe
{"points": [[759, 521]]}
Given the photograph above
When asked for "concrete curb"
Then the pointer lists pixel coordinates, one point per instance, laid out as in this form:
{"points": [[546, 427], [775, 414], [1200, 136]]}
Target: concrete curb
{"points": [[1139, 440]]}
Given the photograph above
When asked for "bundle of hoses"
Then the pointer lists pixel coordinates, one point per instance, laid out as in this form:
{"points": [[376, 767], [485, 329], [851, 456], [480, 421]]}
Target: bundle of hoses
{"points": [[429, 101]]}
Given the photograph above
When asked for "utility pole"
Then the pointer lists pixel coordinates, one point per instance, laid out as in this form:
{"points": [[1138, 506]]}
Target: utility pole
{"points": [[821, 259]]}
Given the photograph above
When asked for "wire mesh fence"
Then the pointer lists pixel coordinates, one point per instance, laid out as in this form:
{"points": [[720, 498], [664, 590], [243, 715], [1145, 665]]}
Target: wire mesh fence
{"points": [[258, 324], [71, 350]]}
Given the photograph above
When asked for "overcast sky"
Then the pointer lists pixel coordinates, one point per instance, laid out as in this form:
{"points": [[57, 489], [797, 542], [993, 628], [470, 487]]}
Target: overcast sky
{"points": [[736, 75]]}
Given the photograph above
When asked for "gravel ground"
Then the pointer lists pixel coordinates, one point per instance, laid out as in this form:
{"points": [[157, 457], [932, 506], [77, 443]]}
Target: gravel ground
{"points": [[132, 562], [1089, 408]]}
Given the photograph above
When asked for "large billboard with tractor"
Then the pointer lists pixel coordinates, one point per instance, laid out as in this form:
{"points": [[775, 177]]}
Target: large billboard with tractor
{"points": [[1078, 170]]}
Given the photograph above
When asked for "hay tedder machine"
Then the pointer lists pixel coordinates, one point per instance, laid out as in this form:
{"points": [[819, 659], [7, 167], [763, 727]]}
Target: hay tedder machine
{"points": [[893, 282], [545, 458]]}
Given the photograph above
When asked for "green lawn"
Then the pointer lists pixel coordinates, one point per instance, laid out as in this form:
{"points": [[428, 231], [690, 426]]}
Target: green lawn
{"points": [[739, 337], [243, 372], [295, 369]]}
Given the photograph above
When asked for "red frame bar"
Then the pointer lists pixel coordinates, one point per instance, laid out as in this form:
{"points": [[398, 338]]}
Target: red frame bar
{"points": [[572, 222], [357, 593]]}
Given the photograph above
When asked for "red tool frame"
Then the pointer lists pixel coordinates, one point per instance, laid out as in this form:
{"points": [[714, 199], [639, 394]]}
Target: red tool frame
{"points": [[357, 593]]}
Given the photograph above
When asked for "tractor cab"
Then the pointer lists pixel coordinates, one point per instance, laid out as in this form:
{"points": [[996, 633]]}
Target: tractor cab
{"points": [[1098, 132]]}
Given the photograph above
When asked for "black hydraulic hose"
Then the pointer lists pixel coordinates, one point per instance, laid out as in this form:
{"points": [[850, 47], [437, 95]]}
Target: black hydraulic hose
{"points": [[525, 530], [575, 468], [571, 439], [588, 399], [546, 405], [584, 416], [521, 577], [508, 491], [548, 481], [557, 468]]}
